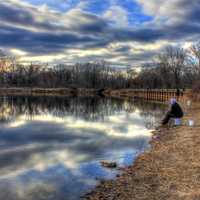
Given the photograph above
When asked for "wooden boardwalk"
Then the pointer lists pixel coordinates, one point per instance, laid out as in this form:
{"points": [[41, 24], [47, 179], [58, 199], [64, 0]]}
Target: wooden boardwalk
{"points": [[149, 94]]}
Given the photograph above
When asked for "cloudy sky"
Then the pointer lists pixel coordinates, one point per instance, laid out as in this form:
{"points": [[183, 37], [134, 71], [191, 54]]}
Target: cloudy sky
{"points": [[127, 32]]}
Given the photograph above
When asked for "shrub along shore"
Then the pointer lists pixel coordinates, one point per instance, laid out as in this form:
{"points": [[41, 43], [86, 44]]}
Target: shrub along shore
{"points": [[169, 170]]}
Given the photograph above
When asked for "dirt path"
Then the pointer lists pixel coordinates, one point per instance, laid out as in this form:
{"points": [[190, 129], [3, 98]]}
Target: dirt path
{"points": [[169, 170]]}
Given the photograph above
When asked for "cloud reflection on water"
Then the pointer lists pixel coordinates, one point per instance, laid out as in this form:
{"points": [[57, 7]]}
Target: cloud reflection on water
{"points": [[57, 154]]}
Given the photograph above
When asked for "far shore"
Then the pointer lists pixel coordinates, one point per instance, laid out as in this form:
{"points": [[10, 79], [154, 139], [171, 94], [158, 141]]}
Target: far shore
{"points": [[147, 94], [48, 91]]}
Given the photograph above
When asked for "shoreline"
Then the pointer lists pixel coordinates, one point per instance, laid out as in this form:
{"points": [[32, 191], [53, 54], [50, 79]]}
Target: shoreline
{"points": [[170, 169], [158, 95], [48, 91]]}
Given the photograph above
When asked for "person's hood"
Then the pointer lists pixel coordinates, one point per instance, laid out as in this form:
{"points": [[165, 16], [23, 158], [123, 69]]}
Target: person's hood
{"points": [[172, 101]]}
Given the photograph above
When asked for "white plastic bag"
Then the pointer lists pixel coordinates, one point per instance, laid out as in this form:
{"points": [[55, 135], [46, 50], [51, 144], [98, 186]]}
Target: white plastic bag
{"points": [[190, 122]]}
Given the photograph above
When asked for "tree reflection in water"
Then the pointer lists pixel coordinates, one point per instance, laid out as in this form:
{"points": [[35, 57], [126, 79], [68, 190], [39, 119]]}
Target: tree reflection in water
{"points": [[92, 109]]}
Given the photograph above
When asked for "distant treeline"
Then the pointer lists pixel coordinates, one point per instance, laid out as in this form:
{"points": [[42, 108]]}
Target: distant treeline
{"points": [[174, 67], [89, 75]]}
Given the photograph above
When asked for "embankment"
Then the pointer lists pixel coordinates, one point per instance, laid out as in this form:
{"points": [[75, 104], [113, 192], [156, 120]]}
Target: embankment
{"points": [[170, 170], [147, 94], [48, 91]]}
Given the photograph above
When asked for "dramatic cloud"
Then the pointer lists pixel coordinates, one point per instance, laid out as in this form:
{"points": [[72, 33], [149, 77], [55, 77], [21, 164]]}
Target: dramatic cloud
{"points": [[117, 15], [82, 31]]}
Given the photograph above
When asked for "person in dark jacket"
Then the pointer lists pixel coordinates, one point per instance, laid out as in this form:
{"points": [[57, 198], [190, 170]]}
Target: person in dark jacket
{"points": [[175, 112]]}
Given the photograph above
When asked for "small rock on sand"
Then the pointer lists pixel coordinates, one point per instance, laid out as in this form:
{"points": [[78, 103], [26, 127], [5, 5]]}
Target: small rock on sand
{"points": [[108, 164]]}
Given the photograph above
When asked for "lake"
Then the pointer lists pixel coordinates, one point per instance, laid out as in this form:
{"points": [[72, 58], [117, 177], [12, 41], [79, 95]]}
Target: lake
{"points": [[51, 147]]}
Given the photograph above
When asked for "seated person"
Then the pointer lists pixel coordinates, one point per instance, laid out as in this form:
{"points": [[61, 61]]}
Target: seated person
{"points": [[175, 112]]}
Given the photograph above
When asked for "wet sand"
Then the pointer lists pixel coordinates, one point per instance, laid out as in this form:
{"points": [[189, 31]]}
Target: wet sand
{"points": [[169, 170]]}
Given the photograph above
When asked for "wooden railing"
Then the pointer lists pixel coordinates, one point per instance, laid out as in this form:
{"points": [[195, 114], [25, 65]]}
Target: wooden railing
{"points": [[149, 94]]}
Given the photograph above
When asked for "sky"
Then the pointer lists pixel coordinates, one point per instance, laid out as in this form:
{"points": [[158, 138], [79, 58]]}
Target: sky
{"points": [[123, 33]]}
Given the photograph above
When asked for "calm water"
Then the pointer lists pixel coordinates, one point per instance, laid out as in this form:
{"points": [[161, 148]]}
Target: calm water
{"points": [[50, 147]]}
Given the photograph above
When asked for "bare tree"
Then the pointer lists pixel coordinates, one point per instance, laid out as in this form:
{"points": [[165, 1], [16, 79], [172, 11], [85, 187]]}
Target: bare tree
{"points": [[170, 70], [195, 50], [173, 62]]}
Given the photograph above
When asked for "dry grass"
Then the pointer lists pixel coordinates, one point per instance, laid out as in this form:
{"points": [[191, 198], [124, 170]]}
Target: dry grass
{"points": [[170, 170]]}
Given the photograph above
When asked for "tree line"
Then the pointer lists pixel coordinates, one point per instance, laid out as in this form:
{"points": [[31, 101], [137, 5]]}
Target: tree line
{"points": [[174, 67], [89, 75]]}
